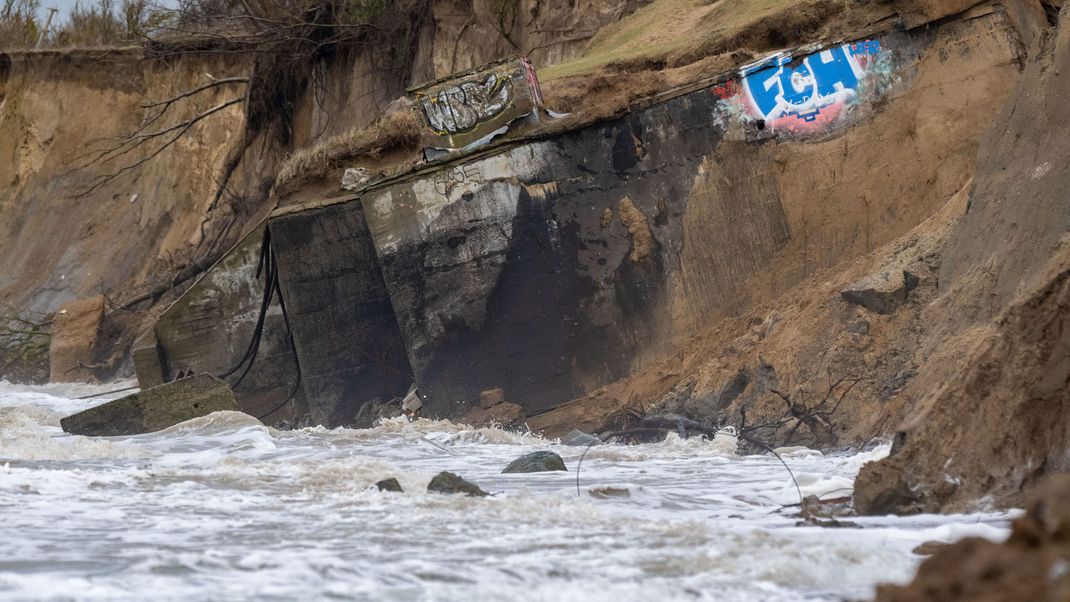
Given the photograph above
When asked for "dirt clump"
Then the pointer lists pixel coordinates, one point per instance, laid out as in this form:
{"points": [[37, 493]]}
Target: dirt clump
{"points": [[1033, 564], [997, 427], [75, 331], [638, 228]]}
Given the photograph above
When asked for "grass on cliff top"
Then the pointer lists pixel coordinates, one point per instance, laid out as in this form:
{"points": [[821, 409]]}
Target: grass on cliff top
{"points": [[666, 27]]}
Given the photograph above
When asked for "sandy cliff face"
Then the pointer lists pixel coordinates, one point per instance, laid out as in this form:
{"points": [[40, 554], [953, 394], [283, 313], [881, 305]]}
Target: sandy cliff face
{"points": [[85, 209], [68, 229], [999, 426]]}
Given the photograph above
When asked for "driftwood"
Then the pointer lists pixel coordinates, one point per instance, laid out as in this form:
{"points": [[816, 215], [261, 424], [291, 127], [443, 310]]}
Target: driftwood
{"points": [[798, 413], [663, 424]]}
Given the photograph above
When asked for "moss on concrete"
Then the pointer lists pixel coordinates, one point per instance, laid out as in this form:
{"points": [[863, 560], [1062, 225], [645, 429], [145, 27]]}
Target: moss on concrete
{"points": [[154, 409]]}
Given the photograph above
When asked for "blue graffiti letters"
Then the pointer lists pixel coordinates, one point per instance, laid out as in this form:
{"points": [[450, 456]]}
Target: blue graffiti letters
{"points": [[778, 89]]}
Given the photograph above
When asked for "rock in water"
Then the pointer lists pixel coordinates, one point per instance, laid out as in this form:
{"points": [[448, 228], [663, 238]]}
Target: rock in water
{"points": [[389, 485], [578, 438], [154, 409], [447, 482], [540, 461]]}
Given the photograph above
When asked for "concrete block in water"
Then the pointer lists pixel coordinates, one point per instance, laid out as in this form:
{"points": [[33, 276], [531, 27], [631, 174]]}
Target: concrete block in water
{"points": [[154, 409]]}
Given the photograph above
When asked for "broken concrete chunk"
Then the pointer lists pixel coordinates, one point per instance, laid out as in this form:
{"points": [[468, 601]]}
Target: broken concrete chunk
{"points": [[412, 402], [491, 398], [505, 415], [355, 177], [881, 293], [74, 340], [540, 461], [154, 409], [447, 482]]}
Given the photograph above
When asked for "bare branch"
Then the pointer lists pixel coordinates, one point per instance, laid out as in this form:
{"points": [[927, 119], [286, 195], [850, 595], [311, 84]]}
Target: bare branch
{"points": [[179, 129], [212, 84]]}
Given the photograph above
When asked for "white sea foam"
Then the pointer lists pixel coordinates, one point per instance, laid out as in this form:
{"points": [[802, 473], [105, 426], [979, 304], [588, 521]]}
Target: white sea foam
{"points": [[223, 507]]}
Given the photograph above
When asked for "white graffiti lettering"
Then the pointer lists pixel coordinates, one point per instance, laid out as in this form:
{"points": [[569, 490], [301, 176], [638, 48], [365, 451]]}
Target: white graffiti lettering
{"points": [[461, 108]]}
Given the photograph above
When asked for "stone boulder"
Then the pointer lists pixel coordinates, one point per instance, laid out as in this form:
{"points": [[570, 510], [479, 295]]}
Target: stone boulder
{"points": [[74, 339], [447, 482], [154, 409], [540, 461], [881, 293], [389, 485], [506, 415]]}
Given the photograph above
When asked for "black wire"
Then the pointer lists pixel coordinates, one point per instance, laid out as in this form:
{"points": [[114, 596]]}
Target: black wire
{"points": [[293, 349], [265, 302], [272, 285]]}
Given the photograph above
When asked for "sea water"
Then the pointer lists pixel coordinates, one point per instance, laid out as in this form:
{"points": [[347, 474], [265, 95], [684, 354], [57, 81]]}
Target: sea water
{"points": [[225, 508]]}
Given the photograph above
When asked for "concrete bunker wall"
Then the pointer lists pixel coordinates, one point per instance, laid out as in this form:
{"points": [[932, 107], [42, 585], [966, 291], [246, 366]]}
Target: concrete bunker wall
{"points": [[552, 267], [347, 339], [209, 329]]}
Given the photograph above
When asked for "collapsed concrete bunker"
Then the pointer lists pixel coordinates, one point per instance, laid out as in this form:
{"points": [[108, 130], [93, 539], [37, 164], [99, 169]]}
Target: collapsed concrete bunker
{"points": [[550, 265]]}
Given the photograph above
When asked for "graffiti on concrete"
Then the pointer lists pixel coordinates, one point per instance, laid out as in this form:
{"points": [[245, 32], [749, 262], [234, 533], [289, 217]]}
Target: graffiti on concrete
{"points": [[461, 108], [468, 110], [804, 96], [445, 179]]}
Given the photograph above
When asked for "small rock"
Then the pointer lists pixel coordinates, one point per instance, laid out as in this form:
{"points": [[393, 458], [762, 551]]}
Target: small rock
{"points": [[881, 293], [540, 461], [609, 492], [389, 485], [447, 482], [930, 547], [490, 398], [859, 327], [579, 438], [506, 415], [154, 409]]}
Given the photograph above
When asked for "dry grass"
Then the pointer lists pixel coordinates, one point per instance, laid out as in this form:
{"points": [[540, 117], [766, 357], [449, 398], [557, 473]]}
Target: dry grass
{"points": [[675, 33], [395, 131]]}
